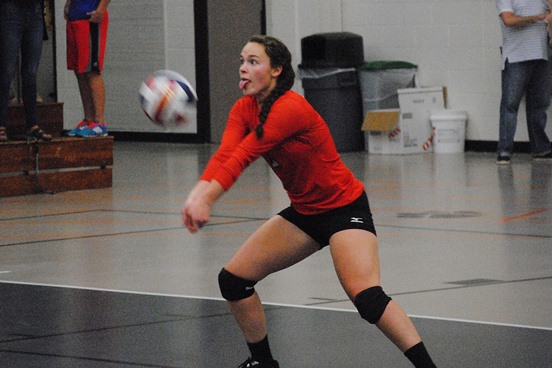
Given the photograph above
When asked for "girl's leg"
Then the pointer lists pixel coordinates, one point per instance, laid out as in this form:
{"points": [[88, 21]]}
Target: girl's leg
{"points": [[276, 245], [356, 260]]}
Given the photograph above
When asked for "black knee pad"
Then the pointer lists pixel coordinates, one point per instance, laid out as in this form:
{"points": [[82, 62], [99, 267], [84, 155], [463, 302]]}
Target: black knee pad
{"points": [[371, 303], [233, 287]]}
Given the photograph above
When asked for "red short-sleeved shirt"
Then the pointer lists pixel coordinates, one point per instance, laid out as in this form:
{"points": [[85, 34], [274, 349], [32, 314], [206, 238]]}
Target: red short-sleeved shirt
{"points": [[297, 145]]}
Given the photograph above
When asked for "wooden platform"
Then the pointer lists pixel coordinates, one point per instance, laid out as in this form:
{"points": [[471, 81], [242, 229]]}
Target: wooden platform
{"points": [[50, 116], [62, 164], [59, 165]]}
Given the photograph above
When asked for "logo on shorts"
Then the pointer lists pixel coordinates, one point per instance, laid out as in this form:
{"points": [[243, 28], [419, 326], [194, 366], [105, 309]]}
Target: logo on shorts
{"points": [[357, 220]]}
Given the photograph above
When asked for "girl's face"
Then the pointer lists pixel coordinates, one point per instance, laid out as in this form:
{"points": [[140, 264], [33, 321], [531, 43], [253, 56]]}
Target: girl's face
{"points": [[257, 77]]}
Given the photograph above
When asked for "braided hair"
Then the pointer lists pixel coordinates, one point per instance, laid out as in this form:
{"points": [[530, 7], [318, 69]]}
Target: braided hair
{"points": [[279, 56]]}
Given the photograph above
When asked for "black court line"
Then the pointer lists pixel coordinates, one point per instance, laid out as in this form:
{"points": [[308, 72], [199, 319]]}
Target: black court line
{"points": [[79, 361], [49, 215], [474, 286], [466, 231], [69, 213], [90, 236], [448, 288], [241, 219], [93, 328], [238, 220], [248, 219], [497, 282]]}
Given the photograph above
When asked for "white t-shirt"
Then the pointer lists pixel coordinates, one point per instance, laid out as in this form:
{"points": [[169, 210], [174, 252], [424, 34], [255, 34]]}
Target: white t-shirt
{"points": [[523, 43]]}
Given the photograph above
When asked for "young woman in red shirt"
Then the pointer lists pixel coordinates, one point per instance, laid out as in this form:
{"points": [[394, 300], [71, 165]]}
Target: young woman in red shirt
{"points": [[328, 204]]}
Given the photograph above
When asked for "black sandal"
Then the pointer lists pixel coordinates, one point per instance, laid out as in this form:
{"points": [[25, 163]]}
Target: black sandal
{"points": [[39, 134], [3, 135]]}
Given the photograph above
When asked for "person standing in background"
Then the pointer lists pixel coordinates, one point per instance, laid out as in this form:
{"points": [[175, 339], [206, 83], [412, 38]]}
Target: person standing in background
{"points": [[548, 21], [21, 33], [87, 25], [525, 71]]}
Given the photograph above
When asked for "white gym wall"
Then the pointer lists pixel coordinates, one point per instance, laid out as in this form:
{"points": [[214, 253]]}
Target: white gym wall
{"points": [[455, 43]]}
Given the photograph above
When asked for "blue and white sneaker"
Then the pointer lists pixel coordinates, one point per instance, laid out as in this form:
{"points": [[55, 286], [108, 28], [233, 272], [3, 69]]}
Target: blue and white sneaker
{"points": [[81, 125], [93, 130]]}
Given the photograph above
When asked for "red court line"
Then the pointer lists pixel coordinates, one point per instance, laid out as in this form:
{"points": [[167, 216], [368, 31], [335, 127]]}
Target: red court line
{"points": [[523, 215]]}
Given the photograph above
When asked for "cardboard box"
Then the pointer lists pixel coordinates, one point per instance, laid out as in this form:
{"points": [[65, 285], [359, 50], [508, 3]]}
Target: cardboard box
{"points": [[406, 130]]}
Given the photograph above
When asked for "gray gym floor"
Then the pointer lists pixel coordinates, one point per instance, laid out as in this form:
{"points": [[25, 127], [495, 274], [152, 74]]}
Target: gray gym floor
{"points": [[109, 278]]}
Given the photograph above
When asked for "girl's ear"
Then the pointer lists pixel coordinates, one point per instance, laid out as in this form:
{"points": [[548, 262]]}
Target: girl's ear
{"points": [[277, 71]]}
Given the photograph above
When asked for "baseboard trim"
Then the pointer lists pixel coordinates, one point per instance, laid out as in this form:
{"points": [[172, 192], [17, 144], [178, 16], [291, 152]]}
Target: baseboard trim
{"points": [[490, 146], [156, 137]]}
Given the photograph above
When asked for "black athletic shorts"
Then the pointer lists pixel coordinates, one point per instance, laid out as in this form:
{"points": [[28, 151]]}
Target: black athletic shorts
{"points": [[321, 227]]}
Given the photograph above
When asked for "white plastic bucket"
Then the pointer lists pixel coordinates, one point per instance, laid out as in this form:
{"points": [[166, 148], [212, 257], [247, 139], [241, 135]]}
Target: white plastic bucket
{"points": [[449, 130]]}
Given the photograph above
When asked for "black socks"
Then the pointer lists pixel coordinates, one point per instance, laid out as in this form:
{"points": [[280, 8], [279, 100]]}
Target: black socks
{"points": [[419, 356], [260, 351]]}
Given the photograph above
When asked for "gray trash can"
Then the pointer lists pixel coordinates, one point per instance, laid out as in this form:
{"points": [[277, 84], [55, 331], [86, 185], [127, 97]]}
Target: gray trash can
{"points": [[329, 74], [380, 80]]}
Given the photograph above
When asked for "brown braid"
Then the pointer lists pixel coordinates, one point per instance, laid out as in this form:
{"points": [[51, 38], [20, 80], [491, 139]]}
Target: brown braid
{"points": [[279, 56]]}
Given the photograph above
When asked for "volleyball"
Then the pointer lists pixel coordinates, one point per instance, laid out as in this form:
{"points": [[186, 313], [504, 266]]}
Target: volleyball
{"points": [[167, 98]]}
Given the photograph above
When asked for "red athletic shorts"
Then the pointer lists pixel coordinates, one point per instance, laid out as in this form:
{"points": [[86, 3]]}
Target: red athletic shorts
{"points": [[86, 44]]}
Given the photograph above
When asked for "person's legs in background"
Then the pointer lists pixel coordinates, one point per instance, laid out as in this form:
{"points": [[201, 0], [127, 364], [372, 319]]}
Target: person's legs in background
{"points": [[10, 42], [31, 51], [86, 96], [515, 77], [92, 90], [89, 77], [537, 104]]}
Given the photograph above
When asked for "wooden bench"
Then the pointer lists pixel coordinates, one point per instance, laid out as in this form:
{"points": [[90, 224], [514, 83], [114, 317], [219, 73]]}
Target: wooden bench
{"points": [[62, 164]]}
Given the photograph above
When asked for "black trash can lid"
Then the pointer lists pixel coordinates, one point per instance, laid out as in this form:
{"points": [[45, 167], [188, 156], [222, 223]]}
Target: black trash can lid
{"points": [[332, 49]]}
